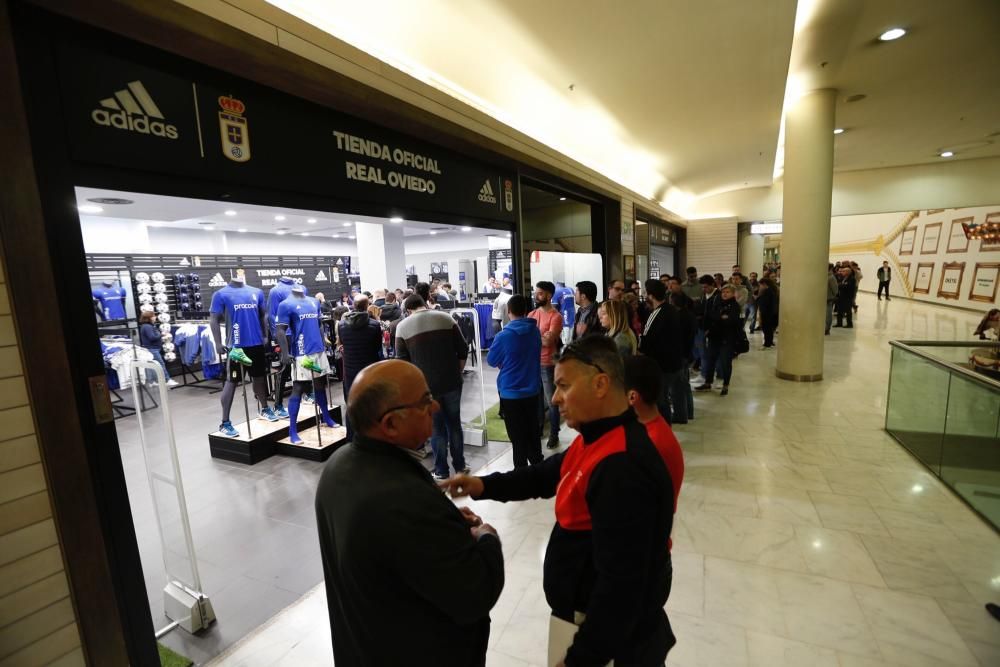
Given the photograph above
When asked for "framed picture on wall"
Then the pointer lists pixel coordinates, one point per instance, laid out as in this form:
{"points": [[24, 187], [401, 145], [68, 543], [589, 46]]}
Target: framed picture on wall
{"points": [[907, 240], [989, 246], [984, 282], [951, 280], [922, 283], [957, 240], [932, 239], [628, 262]]}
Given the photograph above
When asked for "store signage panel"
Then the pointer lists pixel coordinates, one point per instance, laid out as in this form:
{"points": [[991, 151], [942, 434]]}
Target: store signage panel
{"points": [[127, 115]]}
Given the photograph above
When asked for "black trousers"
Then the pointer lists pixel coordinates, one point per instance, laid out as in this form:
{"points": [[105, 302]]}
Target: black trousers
{"points": [[520, 416], [883, 284], [768, 328]]}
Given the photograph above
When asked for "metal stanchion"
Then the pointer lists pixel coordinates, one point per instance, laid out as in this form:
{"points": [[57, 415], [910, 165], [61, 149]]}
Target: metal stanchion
{"points": [[319, 422], [243, 385]]}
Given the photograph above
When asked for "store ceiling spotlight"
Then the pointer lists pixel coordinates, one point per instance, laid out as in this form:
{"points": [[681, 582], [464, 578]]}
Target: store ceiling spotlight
{"points": [[279, 218], [242, 230], [281, 232], [946, 154], [466, 229], [395, 220], [839, 130], [433, 232], [347, 224], [351, 237], [89, 208], [311, 221], [562, 199], [304, 234], [110, 201], [230, 212], [889, 35]]}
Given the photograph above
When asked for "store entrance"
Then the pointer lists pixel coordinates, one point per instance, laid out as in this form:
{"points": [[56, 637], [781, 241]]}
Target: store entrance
{"points": [[162, 260]]}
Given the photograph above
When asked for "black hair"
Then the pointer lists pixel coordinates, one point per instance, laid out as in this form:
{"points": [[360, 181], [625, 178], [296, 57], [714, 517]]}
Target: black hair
{"points": [[588, 289], [691, 270], [413, 302], [707, 280], [599, 351], [517, 305], [423, 290], [656, 289], [643, 375], [546, 286]]}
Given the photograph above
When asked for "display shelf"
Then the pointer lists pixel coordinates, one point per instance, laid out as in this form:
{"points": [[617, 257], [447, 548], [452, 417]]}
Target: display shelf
{"points": [[310, 447], [259, 443]]}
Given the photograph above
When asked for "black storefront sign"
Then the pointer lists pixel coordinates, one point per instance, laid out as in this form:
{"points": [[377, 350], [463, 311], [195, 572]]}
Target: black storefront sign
{"points": [[661, 235], [222, 128]]}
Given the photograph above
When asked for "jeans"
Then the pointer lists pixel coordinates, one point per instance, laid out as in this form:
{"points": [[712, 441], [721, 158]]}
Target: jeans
{"points": [[750, 315], [883, 284], [519, 416], [158, 357], [549, 388], [718, 357], [671, 395], [829, 315], [447, 433], [698, 351]]}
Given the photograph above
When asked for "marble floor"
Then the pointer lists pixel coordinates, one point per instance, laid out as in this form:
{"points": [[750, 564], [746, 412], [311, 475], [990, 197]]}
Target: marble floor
{"points": [[804, 534]]}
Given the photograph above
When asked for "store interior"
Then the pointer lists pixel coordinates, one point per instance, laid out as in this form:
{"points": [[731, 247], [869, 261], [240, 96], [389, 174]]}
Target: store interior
{"points": [[252, 525]]}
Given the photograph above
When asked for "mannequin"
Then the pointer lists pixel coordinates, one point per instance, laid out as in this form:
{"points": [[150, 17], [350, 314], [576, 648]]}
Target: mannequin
{"points": [[279, 293], [300, 315], [242, 306], [109, 300]]}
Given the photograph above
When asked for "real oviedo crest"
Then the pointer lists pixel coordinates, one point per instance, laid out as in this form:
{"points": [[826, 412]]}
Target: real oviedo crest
{"points": [[233, 129]]}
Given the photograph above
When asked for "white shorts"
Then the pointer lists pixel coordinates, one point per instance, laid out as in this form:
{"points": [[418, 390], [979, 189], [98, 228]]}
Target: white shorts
{"points": [[300, 374]]}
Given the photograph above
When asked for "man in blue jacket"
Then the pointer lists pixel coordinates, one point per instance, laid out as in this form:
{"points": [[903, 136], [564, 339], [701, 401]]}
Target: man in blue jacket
{"points": [[516, 351]]}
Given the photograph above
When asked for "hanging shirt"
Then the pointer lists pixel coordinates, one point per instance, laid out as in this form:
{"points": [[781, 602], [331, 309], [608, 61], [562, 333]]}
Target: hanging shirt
{"points": [[241, 306], [301, 316], [279, 293], [112, 300]]}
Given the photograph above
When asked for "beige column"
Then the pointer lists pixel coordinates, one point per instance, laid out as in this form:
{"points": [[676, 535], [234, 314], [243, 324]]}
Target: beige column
{"points": [[805, 242], [752, 253]]}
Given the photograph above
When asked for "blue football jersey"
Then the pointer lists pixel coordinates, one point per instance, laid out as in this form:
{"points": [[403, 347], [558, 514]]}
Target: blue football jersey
{"points": [[301, 316], [279, 293], [241, 306], [112, 300]]}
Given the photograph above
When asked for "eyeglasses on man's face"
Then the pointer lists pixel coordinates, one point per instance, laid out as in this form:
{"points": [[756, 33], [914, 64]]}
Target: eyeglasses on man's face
{"points": [[424, 403]]}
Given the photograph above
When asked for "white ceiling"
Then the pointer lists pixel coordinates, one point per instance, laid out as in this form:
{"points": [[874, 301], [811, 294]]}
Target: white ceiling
{"points": [[679, 99], [184, 213]]}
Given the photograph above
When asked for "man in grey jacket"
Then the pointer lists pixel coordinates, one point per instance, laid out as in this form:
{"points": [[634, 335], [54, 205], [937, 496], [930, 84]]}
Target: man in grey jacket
{"points": [[832, 289]]}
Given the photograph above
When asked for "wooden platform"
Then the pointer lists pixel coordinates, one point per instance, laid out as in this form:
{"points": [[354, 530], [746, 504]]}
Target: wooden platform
{"points": [[311, 447], [261, 439]]}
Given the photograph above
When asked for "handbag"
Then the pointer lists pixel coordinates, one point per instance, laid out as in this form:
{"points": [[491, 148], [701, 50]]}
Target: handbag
{"points": [[742, 343]]}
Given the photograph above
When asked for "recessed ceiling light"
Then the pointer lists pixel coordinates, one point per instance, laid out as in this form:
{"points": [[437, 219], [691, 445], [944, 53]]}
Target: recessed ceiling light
{"points": [[347, 224], [946, 154], [242, 230], [839, 130], [230, 212], [396, 220], [304, 234], [351, 237], [336, 236], [311, 221], [280, 232], [89, 208], [562, 199], [279, 218], [208, 228], [433, 232], [466, 229], [889, 35]]}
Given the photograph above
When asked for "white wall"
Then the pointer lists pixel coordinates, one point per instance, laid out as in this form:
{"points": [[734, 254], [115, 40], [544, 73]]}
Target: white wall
{"points": [[861, 237]]}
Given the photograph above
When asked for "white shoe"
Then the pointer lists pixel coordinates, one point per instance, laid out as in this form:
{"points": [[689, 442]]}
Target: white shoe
{"points": [[173, 383]]}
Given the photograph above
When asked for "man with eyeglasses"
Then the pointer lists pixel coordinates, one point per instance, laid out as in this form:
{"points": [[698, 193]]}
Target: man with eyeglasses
{"points": [[607, 571], [402, 564]]}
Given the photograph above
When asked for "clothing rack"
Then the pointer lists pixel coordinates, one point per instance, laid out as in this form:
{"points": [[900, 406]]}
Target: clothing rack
{"points": [[119, 405], [189, 376]]}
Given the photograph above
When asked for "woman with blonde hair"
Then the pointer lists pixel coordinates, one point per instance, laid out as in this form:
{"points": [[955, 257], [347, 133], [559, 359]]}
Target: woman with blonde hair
{"points": [[614, 319]]}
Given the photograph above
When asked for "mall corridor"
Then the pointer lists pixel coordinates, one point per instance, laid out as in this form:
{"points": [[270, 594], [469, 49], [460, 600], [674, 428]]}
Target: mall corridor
{"points": [[804, 535]]}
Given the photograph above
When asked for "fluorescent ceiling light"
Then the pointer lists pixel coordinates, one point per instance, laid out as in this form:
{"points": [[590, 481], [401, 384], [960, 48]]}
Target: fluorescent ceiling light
{"points": [[351, 236], [562, 199], [280, 232], [947, 154], [336, 236], [347, 224], [433, 232], [889, 35], [230, 212], [466, 229], [208, 228], [89, 208], [397, 220], [311, 221], [242, 230], [839, 130], [279, 218], [304, 234]]}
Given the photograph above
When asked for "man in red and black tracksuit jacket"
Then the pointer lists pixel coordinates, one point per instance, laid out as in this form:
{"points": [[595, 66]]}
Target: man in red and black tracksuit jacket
{"points": [[607, 563]]}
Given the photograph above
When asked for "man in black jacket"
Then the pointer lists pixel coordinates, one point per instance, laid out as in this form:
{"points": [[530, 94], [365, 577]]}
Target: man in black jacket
{"points": [[403, 566], [884, 278], [662, 340], [360, 340], [607, 565]]}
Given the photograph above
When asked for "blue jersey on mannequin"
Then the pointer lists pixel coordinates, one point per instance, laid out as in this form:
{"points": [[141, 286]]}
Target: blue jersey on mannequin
{"points": [[112, 300], [241, 306], [301, 316], [279, 293]]}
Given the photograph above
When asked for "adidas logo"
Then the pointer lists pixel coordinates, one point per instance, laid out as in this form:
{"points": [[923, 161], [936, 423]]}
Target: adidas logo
{"points": [[133, 109], [486, 193], [321, 277], [217, 281]]}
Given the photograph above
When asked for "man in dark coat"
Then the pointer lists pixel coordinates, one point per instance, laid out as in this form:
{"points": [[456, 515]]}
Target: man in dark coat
{"points": [[662, 341], [360, 339], [848, 289], [403, 565]]}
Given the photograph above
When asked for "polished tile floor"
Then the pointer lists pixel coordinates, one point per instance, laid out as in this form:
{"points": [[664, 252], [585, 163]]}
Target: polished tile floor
{"points": [[804, 535]]}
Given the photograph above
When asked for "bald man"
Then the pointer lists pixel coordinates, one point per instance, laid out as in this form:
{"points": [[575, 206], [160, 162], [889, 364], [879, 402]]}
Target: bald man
{"points": [[407, 572]]}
